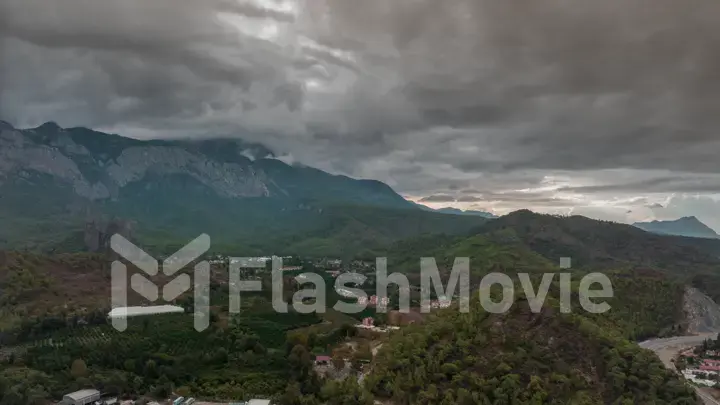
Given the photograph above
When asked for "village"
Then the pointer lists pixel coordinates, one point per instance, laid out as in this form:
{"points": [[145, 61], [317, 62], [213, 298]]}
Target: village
{"points": [[351, 358], [701, 365]]}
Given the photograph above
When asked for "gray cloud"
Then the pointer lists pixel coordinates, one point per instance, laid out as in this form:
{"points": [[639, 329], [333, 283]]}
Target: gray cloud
{"points": [[438, 198], [468, 198], [616, 99]]}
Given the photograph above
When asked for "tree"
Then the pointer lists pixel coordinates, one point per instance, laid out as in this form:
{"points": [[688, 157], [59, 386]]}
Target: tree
{"points": [[129, 365], [78, 368], [338, 361], [150, 369], [183, 391]]}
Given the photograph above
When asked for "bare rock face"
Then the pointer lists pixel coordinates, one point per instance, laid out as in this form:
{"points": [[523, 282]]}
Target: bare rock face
{"points": [[50, 150], [60, 172], [226, 179], [703, 314], [19, 153]]}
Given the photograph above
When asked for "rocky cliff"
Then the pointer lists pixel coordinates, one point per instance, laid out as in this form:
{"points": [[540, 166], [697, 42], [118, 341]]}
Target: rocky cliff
{"points": [[703, 314]]}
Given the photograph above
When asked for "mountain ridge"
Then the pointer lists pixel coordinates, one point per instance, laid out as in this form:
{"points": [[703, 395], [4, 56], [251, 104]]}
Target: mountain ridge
{"points": [[689, 226], [57, 179], [97, 164], [457, 211]]}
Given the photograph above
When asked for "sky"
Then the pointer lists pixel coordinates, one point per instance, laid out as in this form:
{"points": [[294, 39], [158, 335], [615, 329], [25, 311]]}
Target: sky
{"points": [[607, 109]]}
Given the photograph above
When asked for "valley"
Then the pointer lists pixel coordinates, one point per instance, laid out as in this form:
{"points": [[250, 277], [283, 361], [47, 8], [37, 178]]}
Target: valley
{"points": [[55, 276]]}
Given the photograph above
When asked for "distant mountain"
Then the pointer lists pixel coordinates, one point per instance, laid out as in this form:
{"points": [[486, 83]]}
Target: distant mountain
{"points": [[455, 211], [54, 181], [686, 226]]}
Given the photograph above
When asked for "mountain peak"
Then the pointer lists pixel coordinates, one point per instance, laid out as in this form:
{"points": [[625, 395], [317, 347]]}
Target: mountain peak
{"points": [[685, 226], [49, 126]]}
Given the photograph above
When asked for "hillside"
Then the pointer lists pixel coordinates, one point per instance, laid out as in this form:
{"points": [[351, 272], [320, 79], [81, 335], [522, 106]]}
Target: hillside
{"points": [[687, 226], [54, 180], [519, 357], [603, 244], [651, 273]]}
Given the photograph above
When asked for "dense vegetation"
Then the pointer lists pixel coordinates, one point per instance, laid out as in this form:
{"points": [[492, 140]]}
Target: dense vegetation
{"points": [[520, 357], [243, 357], [644, 306], [645, 303]]}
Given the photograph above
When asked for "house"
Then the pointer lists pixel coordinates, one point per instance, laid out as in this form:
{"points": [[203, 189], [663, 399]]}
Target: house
{"points": [[710, 365], [441, 303], [322, 360], [81, 397]]}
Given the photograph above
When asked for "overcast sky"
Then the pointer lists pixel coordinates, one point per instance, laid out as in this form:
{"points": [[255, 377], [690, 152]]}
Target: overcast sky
{"points": [[602, 108]]}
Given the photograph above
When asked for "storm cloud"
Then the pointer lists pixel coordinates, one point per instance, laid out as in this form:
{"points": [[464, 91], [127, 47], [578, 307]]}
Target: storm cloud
{"points": [[593, 106]]}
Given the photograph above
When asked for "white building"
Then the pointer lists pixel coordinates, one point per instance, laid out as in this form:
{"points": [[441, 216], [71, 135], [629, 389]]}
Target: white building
{"points": [[81, 397], [253, 402], [126, 312]]}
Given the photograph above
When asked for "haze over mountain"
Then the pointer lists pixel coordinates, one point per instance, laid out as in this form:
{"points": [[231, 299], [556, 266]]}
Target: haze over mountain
{"points": [[687, 226], [456, 211], [561, 108]]}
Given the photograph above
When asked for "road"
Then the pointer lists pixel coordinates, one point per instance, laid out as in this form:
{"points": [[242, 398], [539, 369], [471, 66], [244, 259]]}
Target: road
{"points": [[668, 347]]}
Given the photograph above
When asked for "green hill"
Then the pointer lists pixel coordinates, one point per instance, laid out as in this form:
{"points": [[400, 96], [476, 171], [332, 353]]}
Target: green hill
{"points": [[520, 358]]}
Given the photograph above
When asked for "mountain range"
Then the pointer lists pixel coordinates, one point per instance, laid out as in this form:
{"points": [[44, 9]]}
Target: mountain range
{"points": [[55, 181], [686, 226], [456, 211]]}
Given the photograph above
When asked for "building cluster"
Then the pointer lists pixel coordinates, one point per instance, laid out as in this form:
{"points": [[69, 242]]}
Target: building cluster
{"points": [[369, 324], [94, 397], [83, 397], [442, 302], [708, 365], [705, 372], [373, 300]]}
